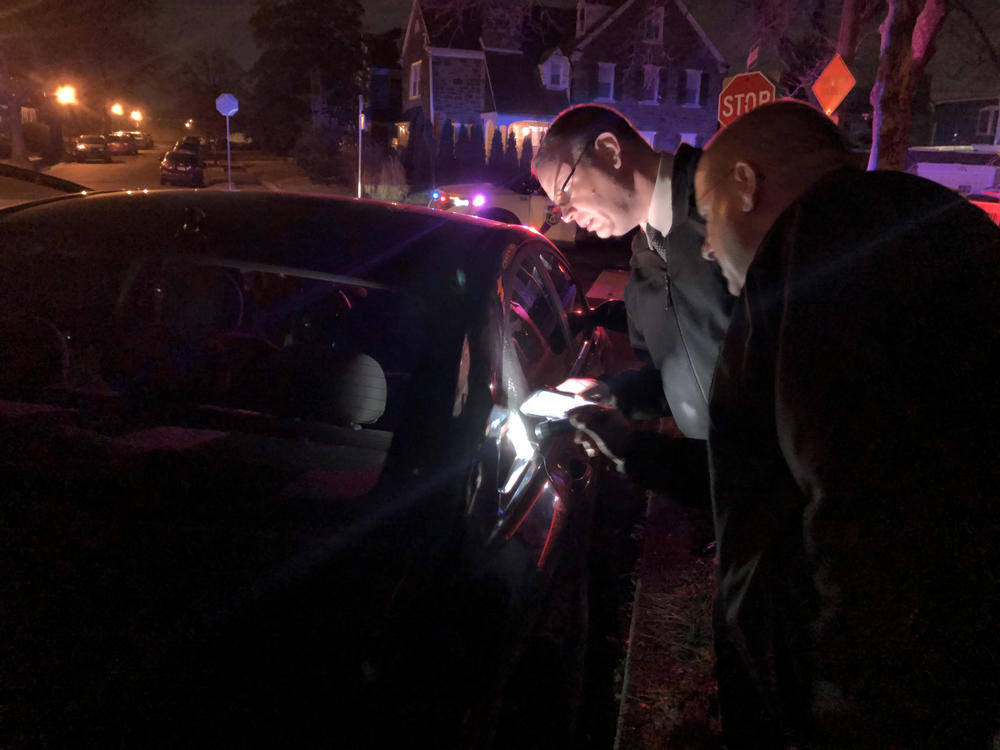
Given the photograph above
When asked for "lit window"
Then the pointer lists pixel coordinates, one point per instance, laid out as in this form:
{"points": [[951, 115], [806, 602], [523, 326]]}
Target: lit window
{"points": [[650, 84], [605, 82], [415, 79], [652, 28], [690, 139]]}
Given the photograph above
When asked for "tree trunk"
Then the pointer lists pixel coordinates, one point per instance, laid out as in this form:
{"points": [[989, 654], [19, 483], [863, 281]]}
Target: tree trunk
{"points": [[908, 33]]}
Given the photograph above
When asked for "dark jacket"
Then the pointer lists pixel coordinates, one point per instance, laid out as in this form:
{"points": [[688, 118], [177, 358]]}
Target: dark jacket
{"points": [[854, 453], [678, 306]]}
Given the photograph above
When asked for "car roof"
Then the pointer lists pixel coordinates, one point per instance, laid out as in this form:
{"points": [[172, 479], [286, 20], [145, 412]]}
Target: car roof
{"points": [[329, 234]]}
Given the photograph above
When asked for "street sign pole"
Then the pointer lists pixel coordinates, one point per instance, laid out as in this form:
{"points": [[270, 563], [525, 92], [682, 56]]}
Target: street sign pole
{"points": [[229, 159], [361, 127], [227, 106]]}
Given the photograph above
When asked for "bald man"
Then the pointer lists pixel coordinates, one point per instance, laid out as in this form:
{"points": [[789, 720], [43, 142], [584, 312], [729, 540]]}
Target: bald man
{"points": [[853, 446]]}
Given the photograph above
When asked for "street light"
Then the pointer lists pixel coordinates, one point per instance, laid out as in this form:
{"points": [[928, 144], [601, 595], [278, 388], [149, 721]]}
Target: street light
{"points": [[117, 110], [66, 95], [136, 115]]}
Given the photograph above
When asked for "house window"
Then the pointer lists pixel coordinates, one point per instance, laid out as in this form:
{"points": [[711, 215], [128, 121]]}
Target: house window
{"points": [[986, 123], [652, 27], [690, 139], [605, 82], [555, 72], [415, 79], [692, 88], [650, 84]]}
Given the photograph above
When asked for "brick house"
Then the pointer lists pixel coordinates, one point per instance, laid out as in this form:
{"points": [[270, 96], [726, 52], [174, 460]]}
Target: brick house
{"points": [[650, 59]]}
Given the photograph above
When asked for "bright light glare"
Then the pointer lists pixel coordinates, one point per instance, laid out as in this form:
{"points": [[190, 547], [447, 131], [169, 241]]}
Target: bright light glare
{"points": [[479, 200], [460, 202], [518, 436], [117, 109], [136, 115], [550, 404], [66, 95]]}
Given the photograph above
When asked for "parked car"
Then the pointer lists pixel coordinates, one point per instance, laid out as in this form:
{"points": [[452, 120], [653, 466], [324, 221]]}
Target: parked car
{"points": [[145, 140], [87, 147], [182, 168], [520, 200], [266, 476], [122, 143], [190, 143]]}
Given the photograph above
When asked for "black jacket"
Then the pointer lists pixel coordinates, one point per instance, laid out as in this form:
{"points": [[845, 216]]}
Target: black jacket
{"points": [[854, 454], [678, 306]]}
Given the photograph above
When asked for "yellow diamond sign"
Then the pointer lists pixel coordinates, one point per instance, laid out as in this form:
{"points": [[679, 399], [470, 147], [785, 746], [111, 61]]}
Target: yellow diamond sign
{"points": [[833, 84]]}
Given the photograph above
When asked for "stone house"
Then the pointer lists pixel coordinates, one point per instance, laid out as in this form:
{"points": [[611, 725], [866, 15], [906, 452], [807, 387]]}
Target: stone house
{"points": [[510, 70]]}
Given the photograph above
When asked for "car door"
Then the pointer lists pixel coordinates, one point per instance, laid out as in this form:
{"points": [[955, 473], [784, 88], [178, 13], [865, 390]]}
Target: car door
{"points": [[538, 481]]}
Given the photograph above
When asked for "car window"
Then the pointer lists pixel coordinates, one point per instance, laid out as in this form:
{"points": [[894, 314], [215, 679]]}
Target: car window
{"points": [[251, 350], [570, 297], [535, 326]]}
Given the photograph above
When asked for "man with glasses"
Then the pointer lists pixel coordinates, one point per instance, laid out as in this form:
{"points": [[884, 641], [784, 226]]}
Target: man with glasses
{"points": [[601, 173], [854, 446]]}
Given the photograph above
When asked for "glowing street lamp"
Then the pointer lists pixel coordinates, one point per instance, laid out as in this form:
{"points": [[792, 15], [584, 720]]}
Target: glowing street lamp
{"points": [[117, 110], [136, 115], [66, 95]]}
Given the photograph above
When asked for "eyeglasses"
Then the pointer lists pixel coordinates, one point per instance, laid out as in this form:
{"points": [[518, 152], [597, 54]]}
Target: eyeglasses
{"points": [[562, 190]]}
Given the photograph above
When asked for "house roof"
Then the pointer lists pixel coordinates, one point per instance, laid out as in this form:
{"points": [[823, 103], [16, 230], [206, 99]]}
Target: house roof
{"points": [[515, 86], [680, 7]]}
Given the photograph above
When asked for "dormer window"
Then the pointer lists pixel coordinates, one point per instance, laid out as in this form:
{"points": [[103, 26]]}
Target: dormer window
{"points": [[555, 72], [652, 27]]}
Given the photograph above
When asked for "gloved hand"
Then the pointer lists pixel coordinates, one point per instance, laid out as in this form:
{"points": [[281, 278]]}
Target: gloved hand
{"points": [[601, 430]]}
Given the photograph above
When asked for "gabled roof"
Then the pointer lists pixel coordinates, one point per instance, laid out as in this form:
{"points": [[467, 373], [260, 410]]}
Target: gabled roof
{"points": [[515, 86], [608, 20]]}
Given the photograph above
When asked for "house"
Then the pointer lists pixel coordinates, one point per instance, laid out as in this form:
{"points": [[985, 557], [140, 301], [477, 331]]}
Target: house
{"points": [[385, 87], [516, 70], [966, 122]]}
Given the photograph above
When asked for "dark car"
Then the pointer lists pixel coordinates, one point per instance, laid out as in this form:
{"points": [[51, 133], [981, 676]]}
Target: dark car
{"points": [[267, 479], [122, 143], [190, 143], [88, 147], [182, 168]]}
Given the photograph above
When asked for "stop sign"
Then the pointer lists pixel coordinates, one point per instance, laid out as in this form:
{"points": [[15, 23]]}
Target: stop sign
{"points": [[742, 93], [227, 105]]}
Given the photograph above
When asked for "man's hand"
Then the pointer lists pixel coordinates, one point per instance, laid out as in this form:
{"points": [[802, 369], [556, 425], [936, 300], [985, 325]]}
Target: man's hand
{"points": [[601, 429]]}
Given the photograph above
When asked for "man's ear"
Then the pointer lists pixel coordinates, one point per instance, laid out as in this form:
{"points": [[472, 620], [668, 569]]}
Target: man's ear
{"points": [[608, 148], [747, 182]]}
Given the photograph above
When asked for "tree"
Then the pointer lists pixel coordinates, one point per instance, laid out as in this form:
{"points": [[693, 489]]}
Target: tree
{"points": [[527, 152], [908, 33], [494, 166], [510, 155], [310, 70], [203, 77]]}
